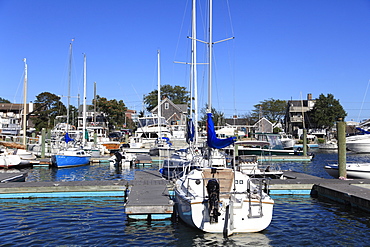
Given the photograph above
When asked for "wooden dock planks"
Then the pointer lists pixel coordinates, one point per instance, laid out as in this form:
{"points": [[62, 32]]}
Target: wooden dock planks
{"points": [[149, 195]]}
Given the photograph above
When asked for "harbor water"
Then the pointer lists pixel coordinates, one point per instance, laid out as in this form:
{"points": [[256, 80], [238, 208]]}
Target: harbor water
{"points": [[298, 220]]}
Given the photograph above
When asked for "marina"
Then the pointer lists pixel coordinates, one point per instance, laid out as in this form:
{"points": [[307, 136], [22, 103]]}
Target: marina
{"points": [[98, 200], [111, 170], [135, 186], [149, 194]]}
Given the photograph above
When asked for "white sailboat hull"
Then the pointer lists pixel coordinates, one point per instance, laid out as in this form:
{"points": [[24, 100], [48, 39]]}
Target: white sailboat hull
{"points": [[195, 214], [238, 212]]}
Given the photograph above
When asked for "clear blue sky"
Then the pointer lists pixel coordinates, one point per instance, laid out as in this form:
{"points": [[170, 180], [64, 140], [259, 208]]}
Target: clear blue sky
{"points": [[282, 49]]}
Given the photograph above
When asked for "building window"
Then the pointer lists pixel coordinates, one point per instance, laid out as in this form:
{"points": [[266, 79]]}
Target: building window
{"points": [[166, 106]]}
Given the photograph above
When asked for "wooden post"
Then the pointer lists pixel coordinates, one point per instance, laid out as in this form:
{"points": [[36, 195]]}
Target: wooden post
{"points": [[33, 138], [342, 160], [304, 142], [43, 143], [95, 139]]}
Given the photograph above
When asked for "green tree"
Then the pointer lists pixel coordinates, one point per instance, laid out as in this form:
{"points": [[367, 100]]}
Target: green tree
{"points": [[177, 94], [114, 111], [73, 115], [217, 117], [326, 112], [271, 109], [2, 100], [251, 119], [47, 106]]}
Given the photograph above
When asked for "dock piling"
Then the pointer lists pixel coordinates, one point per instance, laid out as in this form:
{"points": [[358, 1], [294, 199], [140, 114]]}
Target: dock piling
{"points": [[43, 143], [342, 161]]}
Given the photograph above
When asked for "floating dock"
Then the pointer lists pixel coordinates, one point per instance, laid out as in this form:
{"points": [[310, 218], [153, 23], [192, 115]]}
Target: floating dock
{"points": [[291, 158], [353, 193], [147, 196], [30, 190]]}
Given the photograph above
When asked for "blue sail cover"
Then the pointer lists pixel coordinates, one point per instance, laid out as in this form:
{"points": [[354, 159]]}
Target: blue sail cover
{"points": [[362, 131], [67, 138], [167, 140], [212, 140], [190, 131]]}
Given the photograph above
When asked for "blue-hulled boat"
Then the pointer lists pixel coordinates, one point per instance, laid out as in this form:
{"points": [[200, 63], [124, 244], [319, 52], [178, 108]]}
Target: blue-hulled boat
{"points": [[70, 158]]}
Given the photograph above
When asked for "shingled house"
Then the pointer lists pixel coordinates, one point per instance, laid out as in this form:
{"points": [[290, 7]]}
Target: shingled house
{"points": [[175, 114]]}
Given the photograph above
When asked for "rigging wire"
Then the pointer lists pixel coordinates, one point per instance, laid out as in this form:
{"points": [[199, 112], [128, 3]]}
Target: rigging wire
{"points": [[362, 105]]}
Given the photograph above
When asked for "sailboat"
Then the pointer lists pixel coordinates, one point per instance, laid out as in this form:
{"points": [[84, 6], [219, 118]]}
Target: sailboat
{"points": [[162, 145], [184, 160], [72, 156], [218, 199]]}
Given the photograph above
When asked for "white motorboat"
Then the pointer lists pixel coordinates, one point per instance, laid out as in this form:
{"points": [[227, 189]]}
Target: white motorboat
{"points": [[354, 170], [9, 160], [359, 143], [249, 164], [287, 141], [329, 145]]}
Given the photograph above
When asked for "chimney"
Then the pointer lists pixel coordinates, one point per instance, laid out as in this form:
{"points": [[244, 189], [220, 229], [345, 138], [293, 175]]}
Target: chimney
{"points": [[309, 96]]}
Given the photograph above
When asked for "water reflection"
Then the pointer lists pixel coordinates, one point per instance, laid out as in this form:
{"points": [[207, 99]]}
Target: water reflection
{"points": [[297, 221], [100, 171]]}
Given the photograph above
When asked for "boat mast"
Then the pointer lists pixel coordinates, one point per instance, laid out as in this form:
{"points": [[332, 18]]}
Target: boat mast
{"points": [[25, 102], [69, 83], [210, 46], [159, 96], [194, 71], [94, 103], [84, 106]]}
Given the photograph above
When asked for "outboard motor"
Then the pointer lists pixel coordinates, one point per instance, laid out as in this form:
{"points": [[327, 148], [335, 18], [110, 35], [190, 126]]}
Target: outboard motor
{"points": [[118, 157], [213, 189]]}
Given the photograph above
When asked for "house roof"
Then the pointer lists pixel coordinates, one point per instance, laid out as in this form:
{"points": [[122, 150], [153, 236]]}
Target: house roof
{"points": [[180, 107], [262, 120], [10, 107], [236, 121]]}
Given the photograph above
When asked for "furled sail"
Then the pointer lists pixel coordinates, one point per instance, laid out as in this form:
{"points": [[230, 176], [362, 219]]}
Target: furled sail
{"points": [[212, 139], [190, 131], [67, 138], [363, 132]]}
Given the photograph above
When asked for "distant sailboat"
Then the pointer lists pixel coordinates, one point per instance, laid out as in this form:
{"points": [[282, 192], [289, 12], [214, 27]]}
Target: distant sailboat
{"points": [[71, 156], [162, 146]]}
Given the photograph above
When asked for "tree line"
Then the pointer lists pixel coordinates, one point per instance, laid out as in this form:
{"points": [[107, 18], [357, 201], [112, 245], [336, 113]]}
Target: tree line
{"points": [[326, 111]]}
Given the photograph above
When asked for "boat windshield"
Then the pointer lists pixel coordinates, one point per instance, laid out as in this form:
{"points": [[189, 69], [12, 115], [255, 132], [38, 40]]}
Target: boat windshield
{"points": [[274, 140], [150, 121]]}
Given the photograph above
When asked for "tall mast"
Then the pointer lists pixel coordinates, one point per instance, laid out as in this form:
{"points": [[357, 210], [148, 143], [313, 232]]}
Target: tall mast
{"points": [[194, 70], [94, 103], [210, 44], [159, 95], [25, 102], [69, 82], [84, 105]]}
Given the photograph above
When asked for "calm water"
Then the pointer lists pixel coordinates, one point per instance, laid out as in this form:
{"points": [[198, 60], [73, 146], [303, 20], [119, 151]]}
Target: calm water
{"points": [[297, 220]]}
